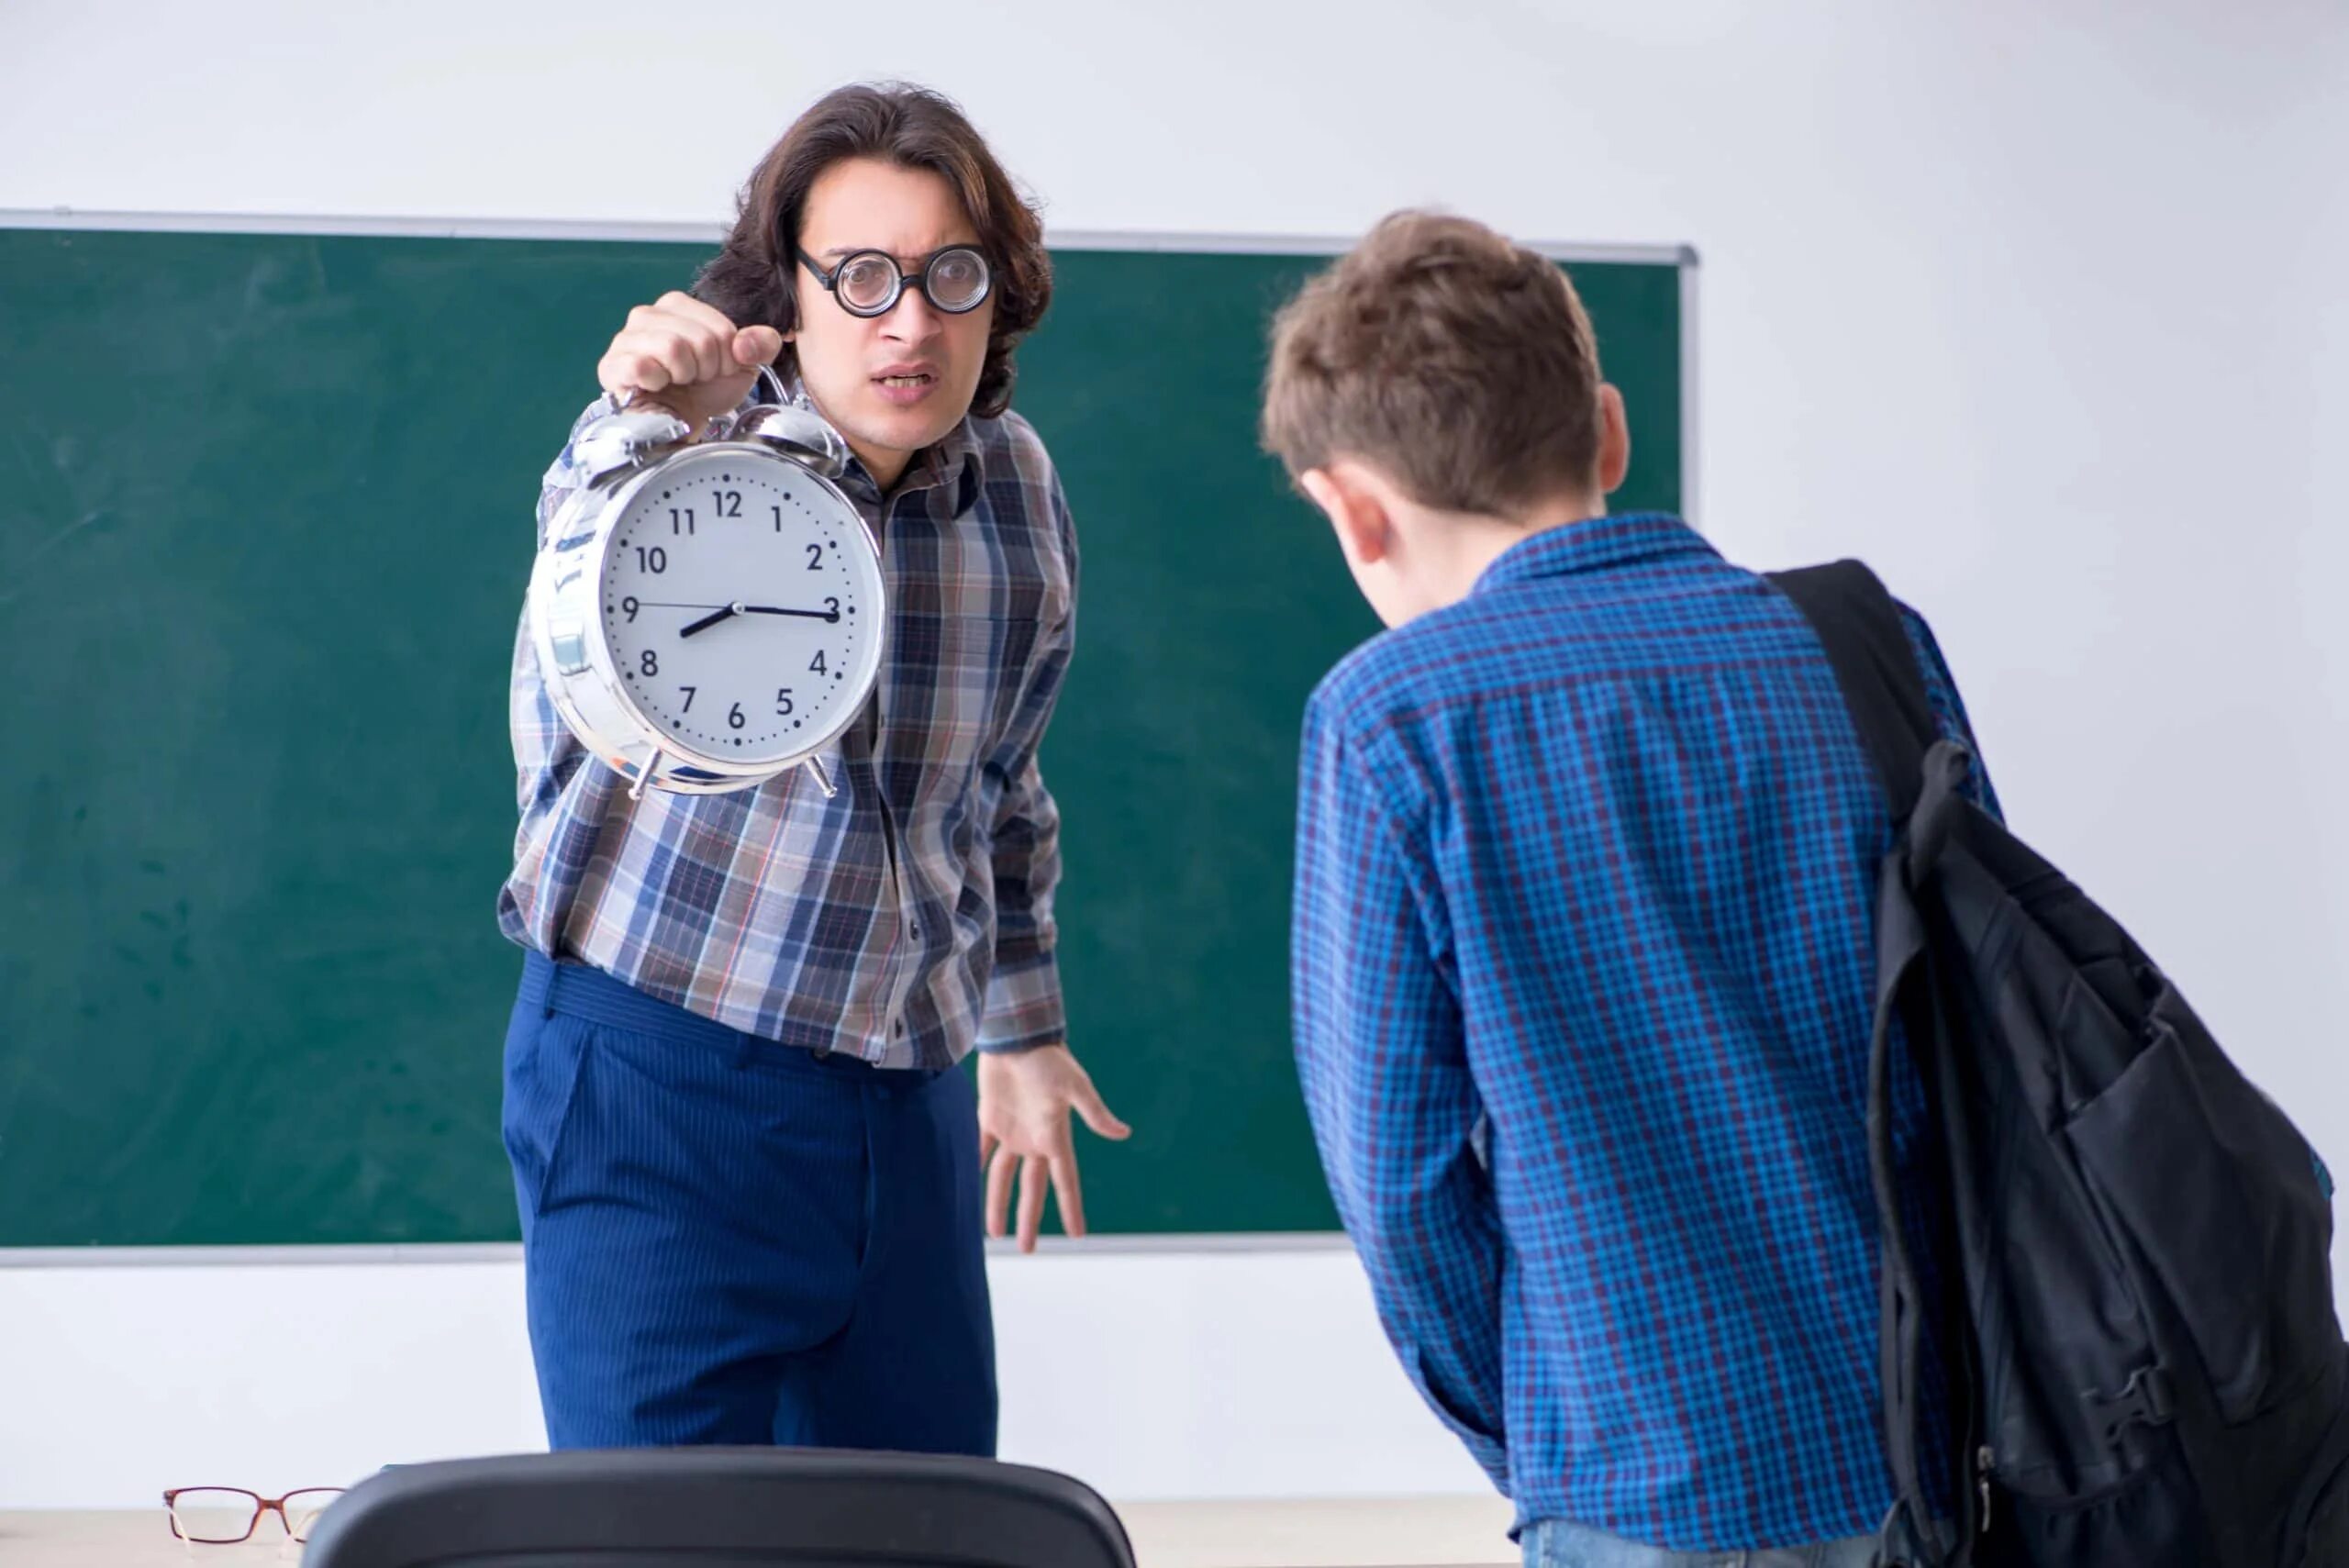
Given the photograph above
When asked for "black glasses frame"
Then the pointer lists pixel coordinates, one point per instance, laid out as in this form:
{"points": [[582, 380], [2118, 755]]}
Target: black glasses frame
{"points": [[919, 278]]}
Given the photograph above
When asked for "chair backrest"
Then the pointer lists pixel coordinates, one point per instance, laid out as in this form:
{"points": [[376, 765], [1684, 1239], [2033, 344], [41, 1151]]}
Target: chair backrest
{"points": [[719, 1507]]}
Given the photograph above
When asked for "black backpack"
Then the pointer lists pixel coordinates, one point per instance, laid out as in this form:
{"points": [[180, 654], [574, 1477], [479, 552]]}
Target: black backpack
{"points": [[2137, 1319]]}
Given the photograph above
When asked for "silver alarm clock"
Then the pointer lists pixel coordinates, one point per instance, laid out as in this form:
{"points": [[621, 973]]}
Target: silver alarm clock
{"points": [[709, 615]]}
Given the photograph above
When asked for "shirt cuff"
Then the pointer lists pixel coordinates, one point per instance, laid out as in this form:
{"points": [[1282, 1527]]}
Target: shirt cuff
{"points": [[1024, 1008]]}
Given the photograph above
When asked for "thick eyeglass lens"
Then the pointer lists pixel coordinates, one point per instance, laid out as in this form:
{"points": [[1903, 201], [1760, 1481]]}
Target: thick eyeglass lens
{"points": [[866, 282], [957, 278]]}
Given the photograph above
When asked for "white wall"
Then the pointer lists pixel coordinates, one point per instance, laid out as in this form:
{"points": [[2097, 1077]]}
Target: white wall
{"points": [[1148, 1374], [2044, 309]]}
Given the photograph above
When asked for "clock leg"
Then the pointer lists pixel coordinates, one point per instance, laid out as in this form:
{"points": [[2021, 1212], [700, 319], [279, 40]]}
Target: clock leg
{"points": [[644, 774]]}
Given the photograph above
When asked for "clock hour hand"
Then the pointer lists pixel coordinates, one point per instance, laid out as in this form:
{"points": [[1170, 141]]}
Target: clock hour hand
{"points": [[723, 612]]}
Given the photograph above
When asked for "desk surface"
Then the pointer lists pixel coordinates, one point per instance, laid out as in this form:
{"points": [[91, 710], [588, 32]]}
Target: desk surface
{"points": [[1429, 1532]]}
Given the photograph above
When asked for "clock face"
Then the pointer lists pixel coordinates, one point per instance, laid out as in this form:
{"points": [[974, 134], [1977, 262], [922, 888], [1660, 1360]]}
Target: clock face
{"points": [[742, 607]]}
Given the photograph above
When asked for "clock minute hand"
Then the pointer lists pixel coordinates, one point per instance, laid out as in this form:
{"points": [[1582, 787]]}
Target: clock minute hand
{"points": [[828, 617]]}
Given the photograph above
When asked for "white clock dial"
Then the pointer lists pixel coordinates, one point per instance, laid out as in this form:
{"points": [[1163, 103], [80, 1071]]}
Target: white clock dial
{"points": [[741, 611]]}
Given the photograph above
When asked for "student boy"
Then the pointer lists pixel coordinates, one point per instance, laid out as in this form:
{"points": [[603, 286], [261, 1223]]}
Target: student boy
{"points": [[1583, 937]]}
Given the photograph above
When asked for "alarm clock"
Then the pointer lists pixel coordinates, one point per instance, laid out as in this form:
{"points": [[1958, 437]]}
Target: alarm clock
{"points": [[709, 615]]}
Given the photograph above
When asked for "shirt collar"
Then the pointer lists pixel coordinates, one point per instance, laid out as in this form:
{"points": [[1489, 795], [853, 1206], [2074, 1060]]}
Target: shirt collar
{"points": [[951, 462], [1594, 544]]}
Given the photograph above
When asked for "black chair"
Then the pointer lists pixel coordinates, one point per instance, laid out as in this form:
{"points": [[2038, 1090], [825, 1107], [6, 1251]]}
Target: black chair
{"points": [[718, 1507]]}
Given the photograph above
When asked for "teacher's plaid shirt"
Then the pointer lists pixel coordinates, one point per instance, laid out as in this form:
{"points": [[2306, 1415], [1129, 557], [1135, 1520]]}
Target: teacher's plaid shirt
{"points": [[910, 916]]}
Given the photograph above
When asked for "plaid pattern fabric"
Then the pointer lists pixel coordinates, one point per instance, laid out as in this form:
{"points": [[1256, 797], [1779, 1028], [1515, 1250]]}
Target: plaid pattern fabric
{"points": [[1584, 958], [910, 916]]}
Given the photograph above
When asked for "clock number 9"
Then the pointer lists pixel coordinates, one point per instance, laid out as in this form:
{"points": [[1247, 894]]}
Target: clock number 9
{"points": [[632, 606]]}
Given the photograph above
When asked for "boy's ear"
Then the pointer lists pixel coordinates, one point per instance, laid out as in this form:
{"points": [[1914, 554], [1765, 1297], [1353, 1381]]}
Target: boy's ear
{"points": [[1614, 441], [1355, 511]]}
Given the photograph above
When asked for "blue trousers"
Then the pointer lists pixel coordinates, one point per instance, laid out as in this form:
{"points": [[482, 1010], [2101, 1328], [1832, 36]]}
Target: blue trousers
{"points": [[730, 1240]]}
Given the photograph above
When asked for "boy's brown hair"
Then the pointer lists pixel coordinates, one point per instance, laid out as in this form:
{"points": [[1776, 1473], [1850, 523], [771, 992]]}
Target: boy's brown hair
{"points": [[1456, 362]]}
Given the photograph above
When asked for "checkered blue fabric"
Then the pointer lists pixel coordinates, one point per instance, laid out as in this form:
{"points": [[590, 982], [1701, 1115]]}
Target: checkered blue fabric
{"points": [[1584, 960]]}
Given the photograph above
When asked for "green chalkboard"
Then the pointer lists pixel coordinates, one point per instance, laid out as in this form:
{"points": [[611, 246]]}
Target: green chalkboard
{"points": [[265, 506]]}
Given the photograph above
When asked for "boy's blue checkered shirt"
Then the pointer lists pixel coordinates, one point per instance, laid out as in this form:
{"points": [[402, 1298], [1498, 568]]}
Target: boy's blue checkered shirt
{"points": [[1583, 963]]}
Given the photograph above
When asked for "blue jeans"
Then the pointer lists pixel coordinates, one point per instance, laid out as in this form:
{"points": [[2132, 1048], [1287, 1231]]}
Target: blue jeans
{"points": [[729, 1241], [1554, 1544]]}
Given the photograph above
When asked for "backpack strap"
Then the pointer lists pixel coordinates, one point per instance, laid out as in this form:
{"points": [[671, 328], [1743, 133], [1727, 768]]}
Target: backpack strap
{"points": [[1859, 625]]}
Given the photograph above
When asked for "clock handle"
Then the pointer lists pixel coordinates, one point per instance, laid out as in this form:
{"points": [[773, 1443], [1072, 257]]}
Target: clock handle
{"points": [[722, 428], [769, 380], [721, 425]]}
